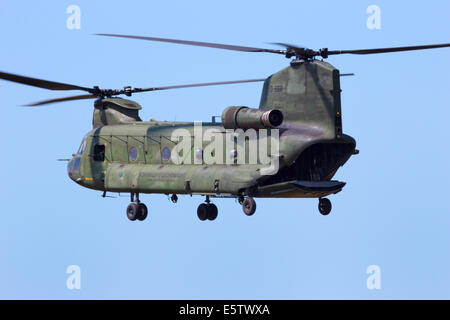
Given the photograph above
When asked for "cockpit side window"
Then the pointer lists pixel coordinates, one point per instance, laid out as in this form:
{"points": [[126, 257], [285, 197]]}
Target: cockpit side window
{"points": [[99, 152]]}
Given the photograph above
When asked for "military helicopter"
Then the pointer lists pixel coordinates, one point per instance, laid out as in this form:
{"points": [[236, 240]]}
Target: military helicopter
{"points": [[299, 117]]}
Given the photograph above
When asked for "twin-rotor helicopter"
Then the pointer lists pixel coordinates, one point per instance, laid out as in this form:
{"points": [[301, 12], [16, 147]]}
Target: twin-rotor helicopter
{"points": [[300, 111]]}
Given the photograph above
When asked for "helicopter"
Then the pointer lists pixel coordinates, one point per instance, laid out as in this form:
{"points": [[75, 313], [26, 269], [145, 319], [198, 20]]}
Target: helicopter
{"points": [[297, 131]]}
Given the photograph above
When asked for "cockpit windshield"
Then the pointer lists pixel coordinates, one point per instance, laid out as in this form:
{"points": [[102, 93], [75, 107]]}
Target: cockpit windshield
{"points": [[82, 147]]}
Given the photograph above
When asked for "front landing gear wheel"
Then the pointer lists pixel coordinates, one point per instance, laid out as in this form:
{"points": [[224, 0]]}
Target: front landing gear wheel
{"points": [[142, 212], [133, 211], [324, 206], [249, 206], [137, 211]]}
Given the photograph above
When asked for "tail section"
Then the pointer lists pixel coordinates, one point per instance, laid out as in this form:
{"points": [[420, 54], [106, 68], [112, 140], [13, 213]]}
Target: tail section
{"points": [[308, 94]]}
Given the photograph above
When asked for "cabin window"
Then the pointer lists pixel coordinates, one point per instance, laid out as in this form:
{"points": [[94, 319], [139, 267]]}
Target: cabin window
{"points": [[99, 152], [233, 156], [165, 154], [133, 154], [198, 154]]}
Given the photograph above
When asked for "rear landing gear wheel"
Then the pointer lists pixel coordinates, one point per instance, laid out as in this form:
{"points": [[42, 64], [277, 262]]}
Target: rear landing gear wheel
{"points": [[249, 206], [324, 206]]}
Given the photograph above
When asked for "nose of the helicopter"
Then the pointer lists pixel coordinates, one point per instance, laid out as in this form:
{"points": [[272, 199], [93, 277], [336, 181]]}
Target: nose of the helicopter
{"points": [[73, 168], [70, 168]]}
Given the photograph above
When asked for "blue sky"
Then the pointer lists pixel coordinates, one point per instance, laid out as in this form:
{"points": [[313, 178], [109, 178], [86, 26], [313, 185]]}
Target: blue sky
{"points": [[393, 212]]}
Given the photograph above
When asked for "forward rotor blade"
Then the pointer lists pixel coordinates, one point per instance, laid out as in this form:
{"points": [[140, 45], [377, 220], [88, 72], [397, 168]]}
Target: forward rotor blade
{"points": [[136, 90], [51, 85], [195, 85], [196, 43], [80, 97], [392, 49]]}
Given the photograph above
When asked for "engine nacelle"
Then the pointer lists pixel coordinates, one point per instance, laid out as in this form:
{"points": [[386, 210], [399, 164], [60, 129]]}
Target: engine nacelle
{"points": [[246, 118]]}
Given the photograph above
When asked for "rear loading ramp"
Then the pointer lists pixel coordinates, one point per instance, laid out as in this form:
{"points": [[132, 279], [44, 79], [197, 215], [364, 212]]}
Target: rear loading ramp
{"points": [[300, 189]]}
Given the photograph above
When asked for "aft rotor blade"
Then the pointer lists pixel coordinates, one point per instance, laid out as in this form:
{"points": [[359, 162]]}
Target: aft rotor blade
{"points": [[392, 49], [196, 43], [80, 97], [287, 45], [195, 85], [51, 85]]}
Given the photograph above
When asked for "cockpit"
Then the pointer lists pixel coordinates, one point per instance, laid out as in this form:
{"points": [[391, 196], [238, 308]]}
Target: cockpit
{"points": [[73, 167]]}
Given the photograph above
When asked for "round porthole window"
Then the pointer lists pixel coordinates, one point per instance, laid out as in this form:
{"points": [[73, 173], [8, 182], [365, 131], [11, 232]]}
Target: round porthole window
{"points": [[165, 154], [199, 155], [133, 154]]}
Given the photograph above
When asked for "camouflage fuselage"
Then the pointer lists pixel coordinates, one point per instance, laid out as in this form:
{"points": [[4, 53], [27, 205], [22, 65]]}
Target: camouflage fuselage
{"points": [[135, 156]]}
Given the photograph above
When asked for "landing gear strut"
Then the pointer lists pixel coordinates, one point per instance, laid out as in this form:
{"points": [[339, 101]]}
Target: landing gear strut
{"points": [[136, 209], [207, 211], [324, 206]]}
